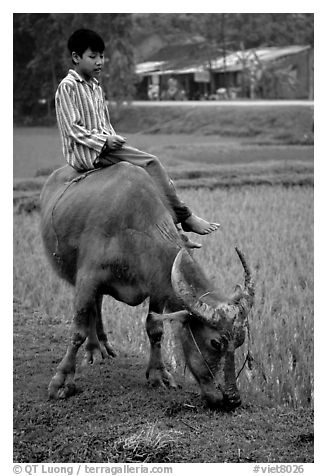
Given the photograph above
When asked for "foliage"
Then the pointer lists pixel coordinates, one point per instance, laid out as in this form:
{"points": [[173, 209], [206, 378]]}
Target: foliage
{"points": [[121, 77], [41, 60], [272, 29], [249, 29], [41, 57]]}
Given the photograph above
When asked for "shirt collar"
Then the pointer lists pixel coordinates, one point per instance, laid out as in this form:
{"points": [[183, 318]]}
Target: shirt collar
{"points": [[94, 82]]}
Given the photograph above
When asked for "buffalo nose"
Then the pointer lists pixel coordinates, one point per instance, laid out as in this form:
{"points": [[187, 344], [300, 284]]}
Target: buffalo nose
{"points": [[232, 401], [227, 403], [214, 401]]}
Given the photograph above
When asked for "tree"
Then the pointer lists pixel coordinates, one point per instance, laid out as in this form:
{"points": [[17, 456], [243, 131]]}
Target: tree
{"points": [[256, 29], [41, 57], [38, 67], [120, 77]]}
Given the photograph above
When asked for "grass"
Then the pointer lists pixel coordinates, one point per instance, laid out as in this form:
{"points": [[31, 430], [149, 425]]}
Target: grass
{"points": [[274, 227], [149, 445], [259, 187], [184, 133], [191, 160], [281, 124], [215, 173]]}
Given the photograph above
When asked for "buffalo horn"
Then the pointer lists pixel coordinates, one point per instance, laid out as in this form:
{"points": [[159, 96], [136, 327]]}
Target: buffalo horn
{"points": [[242, 300], [186, 292], [246, 302], [237, 294]]}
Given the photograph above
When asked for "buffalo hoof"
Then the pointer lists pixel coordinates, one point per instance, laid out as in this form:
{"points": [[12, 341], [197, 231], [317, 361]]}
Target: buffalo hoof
{"points": [[91, 355], [67, 391], [106, 350], [61, 387], [160, 378]]}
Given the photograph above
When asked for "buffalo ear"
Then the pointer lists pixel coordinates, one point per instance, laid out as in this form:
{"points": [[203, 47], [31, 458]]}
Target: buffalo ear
{"points": [[181, 316]]}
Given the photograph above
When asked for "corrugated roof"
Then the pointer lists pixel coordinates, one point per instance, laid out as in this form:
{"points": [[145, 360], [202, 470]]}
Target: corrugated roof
{"points": [[235, 61], [232, 62], [148, 67], [169, 67]]}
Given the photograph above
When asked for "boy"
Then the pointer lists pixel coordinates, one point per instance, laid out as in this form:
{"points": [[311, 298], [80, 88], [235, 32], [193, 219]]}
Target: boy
{"points": [[88, 138]]}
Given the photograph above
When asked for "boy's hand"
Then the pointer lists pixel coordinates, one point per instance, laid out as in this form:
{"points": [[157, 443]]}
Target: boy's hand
{"points": [[115, 142]]}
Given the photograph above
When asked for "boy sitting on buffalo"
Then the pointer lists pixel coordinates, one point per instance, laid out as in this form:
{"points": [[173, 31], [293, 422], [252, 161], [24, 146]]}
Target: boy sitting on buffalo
{"points": [[89, 141]]}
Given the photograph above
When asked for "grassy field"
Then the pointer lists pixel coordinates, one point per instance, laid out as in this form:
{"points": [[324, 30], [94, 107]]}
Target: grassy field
{"points": [[206, 135], [274, 227], [261, 191], [280, 124]]}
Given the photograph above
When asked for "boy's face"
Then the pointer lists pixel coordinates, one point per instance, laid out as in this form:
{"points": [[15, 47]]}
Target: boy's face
{"points": [[90, 64]]}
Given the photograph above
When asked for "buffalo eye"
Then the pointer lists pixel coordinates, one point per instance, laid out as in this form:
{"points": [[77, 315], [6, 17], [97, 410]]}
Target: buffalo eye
{"points": [[219, 344], [216, 344]]}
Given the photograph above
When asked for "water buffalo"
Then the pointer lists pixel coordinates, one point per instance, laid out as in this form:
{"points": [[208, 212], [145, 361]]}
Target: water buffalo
{"points": [[111, 233]]}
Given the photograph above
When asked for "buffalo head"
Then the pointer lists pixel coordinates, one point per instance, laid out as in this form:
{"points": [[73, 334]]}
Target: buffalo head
{"points": [[210, 329]]}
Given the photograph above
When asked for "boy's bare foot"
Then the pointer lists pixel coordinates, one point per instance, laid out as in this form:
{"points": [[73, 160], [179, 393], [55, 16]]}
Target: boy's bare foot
{"points": [[189, 243], [198, 225]]}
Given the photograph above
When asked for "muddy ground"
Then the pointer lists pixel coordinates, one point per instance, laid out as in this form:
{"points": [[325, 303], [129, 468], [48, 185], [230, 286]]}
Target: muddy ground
{"points": [[117, 417]]}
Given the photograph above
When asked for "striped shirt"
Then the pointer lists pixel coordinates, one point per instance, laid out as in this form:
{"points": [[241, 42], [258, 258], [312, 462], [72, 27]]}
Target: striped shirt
{"points": [[83, 120]]}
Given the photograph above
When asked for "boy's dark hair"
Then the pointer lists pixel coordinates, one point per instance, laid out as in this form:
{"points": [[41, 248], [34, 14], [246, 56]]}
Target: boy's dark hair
{"points": [[83, 39]]}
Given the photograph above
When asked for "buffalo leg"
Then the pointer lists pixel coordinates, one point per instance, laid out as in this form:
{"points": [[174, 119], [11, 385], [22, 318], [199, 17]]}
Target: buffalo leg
{"points": [[97, 338], [156, 372], [62, 384], [105, 347]]}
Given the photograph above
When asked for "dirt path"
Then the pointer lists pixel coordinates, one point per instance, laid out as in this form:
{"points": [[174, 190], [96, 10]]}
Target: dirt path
{"points": [[228, 103], [116, 417]]}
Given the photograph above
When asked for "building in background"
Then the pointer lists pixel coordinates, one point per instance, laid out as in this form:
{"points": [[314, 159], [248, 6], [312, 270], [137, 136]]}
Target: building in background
{"points": [[197, 73]]}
